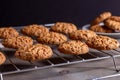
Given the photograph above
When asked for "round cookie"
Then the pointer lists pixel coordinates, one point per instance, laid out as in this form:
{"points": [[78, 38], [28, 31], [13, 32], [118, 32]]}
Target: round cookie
{"points": [[115, 18], [52, 38], [8, 32], [112, 24], [34, 30], [99, 28], [103, 16], [103, 43], [2, 58], [34, 52], [73, 47], [82, 35], [17, 42], [63, 27]]}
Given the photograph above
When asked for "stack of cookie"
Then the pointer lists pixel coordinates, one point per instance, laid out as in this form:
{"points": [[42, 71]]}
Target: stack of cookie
{"points": [[110, 23]]}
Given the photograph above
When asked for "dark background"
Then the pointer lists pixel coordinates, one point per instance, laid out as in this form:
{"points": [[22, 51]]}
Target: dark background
{"points": [[79, 12]]}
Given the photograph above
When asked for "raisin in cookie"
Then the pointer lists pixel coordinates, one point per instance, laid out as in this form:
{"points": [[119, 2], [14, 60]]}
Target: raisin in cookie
{"points": [[82, 35], [34, 52], [34, 30], [17, 42], [103, 16], [103, 43], [8, 32], [73, 47], [99, 28], [63, 27], [52, 38], [2, 58], [112, 24]]}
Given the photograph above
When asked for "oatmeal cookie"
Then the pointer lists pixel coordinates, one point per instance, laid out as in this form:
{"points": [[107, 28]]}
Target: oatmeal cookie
{"points": [[115, 18], [112, 24], [103, 16], [73, 47], [2, 58], [63, 27], [8, 32], [34, 30], [17, 42], [52, 38], [34, 52], [82, 35], [103, 43], [99, 28]]}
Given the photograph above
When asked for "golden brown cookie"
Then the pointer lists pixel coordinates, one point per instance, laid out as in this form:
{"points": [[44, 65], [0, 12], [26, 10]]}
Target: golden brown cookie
{"points": [[82, 35], [103, 43], [63, 27], [99, 28], [52, 38], [34, 52], [17, 42], [103, 16], [115, 18], [34, 30], [73, 47], [112, 24], [8, 32], [2, 58]]}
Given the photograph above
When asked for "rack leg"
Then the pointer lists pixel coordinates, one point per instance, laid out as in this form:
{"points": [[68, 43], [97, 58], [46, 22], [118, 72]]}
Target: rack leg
{"points": [[1, 76], [114, 64]]}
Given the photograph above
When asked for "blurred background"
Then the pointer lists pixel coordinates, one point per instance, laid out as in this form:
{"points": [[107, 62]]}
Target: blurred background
{"points": [[79, 12]]}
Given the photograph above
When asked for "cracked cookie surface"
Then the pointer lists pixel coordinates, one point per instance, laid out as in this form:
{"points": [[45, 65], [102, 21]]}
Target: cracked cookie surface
{"points": [[112, 24], [82, 35], [52, 38], [73, 47], [99, 28], [115, 18], [34, 30], [103, 43], [63, 27], [17, 42], [103, 16], [34, 52], [8, 32]]}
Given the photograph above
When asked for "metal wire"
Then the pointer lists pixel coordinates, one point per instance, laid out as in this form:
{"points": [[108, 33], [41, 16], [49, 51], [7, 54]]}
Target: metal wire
{"points": [[61, 57], [66, 62], [105, 77], [113, 59], [81, 59], [1, 76]]}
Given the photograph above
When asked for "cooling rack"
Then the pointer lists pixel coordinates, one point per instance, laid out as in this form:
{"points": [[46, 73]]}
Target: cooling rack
{"points": [[58, 59]]}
